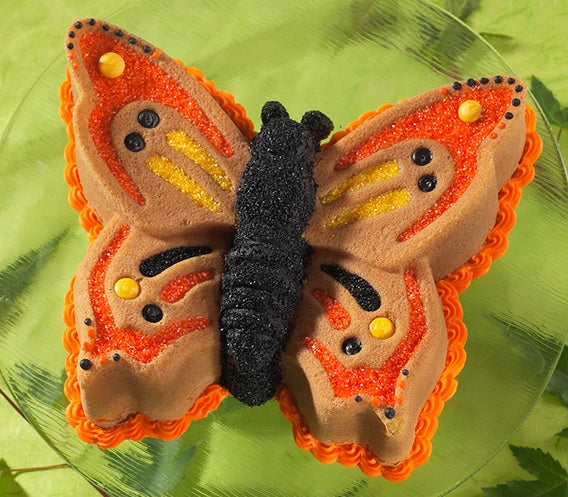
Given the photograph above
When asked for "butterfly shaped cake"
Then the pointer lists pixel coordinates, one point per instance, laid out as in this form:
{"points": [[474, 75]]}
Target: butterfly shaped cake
{"points": [[263, 265]]}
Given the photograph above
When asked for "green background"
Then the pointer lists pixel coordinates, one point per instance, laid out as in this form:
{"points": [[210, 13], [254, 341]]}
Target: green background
{"points": [[529, 34]]}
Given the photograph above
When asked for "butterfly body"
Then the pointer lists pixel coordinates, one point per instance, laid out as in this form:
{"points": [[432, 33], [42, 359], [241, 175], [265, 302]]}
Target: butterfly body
{"points": [[265, 266]]}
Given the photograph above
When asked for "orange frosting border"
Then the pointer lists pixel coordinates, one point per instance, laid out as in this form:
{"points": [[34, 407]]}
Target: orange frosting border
{"points": [[448, 288], [137, 426]]}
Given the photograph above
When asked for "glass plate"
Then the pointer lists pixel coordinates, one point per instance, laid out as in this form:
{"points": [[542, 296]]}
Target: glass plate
{"points": [[343, 58]]}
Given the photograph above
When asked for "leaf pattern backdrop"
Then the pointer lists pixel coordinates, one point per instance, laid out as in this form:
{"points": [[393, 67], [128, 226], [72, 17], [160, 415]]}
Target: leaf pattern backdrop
{"points": [[531, 37]]}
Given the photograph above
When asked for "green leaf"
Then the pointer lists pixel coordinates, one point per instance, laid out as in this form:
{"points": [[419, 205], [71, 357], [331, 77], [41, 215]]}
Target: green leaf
{"points": [[558, 384], [562, 433], [8, 485], [462, 8], [539, 463], [552, 478], [550, 105], [16, 277], [354, 490], [563, 361]]}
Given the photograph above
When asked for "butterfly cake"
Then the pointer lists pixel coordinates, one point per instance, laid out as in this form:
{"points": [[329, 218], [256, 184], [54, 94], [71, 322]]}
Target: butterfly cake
{"points": [[263, 265]]}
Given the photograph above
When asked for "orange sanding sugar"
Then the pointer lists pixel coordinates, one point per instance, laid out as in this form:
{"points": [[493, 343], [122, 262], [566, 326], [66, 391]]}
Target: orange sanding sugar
{"points": [[336, 314], [379, 383], [141, 80], [176, 289], [440, 121], [144, 348]]}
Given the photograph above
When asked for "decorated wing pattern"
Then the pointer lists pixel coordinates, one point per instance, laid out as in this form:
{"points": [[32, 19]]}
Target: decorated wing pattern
{"points": [[404, 199], [158, 159]]}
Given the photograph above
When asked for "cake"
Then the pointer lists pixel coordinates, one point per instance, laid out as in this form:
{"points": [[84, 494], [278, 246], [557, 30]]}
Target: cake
{"points": [[175, 303]]}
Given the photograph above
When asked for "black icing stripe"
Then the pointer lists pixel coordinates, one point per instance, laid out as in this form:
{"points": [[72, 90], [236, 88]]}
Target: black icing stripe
{"points": [[155, 264], [361, 290]]}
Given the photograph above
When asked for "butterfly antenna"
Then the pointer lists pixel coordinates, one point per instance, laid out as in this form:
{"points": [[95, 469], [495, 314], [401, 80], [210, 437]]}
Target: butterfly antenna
{"points": [[318, 123]]}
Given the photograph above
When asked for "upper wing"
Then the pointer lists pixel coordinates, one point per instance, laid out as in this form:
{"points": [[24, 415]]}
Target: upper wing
{"points": [[419, 180], [159, 159], [151, 142], [404, 199]]}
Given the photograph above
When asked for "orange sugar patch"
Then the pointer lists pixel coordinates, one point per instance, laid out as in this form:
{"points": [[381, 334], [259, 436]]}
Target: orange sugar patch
{"points": [[380, 383], [176, 289], [141, 80], [336, 314], [440, 122], [143, 348]]}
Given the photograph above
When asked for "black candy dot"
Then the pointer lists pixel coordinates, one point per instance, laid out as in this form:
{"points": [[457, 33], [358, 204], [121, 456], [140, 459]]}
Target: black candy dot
{"points": [[427, 183], [106, 27], [134, 142], [152, 313], [508, 115], [116, 357], [456, 85], [92, 22], [148, 118], [88, 321], [85, 364], [518, 88], [516, 102], [471, 82], [498, 79], [352, 346], [390, 413], [69, 46], [511, 81], [484, 81], [358, 398], [71, 34], [147, 49], [132, 41], [422, 156], [119, 32], [78, 24], [405, 372]]}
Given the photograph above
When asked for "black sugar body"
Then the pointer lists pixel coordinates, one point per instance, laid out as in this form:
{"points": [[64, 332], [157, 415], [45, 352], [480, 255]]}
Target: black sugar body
{"points": [[265, 267]]}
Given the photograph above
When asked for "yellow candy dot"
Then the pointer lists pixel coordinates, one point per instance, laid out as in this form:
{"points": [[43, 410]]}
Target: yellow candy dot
{"points": [[470, 111], [111, 65], [127, 288], [381, 328]]}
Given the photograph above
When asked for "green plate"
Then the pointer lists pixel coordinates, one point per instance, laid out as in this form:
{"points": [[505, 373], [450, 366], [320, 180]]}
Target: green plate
{"points": [[343, 58]]}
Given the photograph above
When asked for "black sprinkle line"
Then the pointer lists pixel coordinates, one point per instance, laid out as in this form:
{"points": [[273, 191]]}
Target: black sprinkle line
{"points": [[157, 263], [361, 290]]}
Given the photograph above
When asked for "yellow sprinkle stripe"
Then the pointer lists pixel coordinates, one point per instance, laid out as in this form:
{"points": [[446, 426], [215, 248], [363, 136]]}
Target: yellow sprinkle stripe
{"points": [[173, 174], [373, 207], [366, 177], [181, 142]]}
